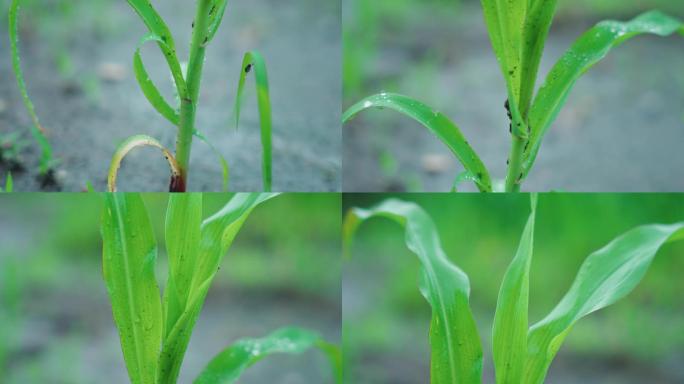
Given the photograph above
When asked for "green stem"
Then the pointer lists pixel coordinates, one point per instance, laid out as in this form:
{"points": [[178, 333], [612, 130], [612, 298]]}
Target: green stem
{"points": [[519, 139], [189, 104]]}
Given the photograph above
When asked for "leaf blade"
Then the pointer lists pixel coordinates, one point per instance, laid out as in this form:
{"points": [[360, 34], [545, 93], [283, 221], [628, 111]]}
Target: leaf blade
{"points": [[147, 86], [605, 277], [587, 51], [455, 345], [128, 258], [228, 365], [217, 235], [254, 62], [434, 121], [509, 332], [182, 233]]}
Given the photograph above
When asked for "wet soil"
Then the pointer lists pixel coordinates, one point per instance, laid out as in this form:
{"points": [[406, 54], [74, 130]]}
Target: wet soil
{"points": [[86, 120], [621, 130]]}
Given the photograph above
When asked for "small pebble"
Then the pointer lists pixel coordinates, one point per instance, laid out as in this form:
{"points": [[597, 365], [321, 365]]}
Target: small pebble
{"points": [[111, 72], [435, 163]]}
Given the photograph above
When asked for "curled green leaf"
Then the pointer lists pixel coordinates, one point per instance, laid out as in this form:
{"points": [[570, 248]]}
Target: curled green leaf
{"points": [[456, 356], [147, 86], [588, 50], [254, 62], [434, 121], [228, 365], [605, 277]]}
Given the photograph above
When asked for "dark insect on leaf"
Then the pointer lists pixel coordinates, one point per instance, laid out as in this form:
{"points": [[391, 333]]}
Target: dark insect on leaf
{"points": [[248, 68]]}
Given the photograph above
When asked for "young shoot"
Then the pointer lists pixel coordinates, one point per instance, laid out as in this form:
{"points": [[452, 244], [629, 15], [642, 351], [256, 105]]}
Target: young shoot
{"points": [[155, 328], [518, 30], [187, 81], [522, 354]]}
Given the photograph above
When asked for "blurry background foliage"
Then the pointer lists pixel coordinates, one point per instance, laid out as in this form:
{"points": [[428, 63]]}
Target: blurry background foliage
{"points": [[55, 319], [386, 320]]}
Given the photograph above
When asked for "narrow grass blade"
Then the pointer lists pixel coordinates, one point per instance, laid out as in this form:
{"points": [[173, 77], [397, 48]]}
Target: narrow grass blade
{"points": [[9, 183], [605, 277], [537, 24], [224, 164], [456, 356], [218, 9], [509, 333], [217, 234], [155, 24], [437, 123], [129, 256], [253, 61], [228, 365], [588, 50], [37, 130], [130, 144], [182, 233], [147, 86]]}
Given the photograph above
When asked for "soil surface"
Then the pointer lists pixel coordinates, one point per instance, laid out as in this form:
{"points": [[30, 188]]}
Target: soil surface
{"points": [[621, 130], [300, 41]]}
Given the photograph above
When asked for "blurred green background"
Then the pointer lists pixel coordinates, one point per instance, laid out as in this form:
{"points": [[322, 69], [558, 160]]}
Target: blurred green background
{"points": [[55, 317], [438, 52], [386, 320]]}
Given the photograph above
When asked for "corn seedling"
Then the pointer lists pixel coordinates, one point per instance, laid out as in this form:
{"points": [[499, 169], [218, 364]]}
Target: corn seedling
{"points": [[518, 30], [521, 355], [187, 80], [155, 330]]}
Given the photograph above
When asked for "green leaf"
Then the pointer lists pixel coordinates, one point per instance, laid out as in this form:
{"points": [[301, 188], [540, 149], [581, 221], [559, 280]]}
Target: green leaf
{"points": [[505, 22], [9, 183], [127, 146], [224, 164], [509, 333], [588, 50], [128, 257], [37, 130], [182, 233], [155, 24], [254, 62], [228, 365], [537, 25], [216, 236], [437, 123], [147, 86], [605, 277], [216, 13], [456, 356]]}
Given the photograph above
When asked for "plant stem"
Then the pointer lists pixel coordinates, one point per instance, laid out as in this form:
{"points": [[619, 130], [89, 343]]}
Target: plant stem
{"points": [[188, 108], [519, 138], [513, 178]]}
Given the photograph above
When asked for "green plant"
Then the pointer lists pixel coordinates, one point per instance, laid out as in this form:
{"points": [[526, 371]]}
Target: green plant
{"points": [[9, 184], [155, 331], [521, 355], [518, 30], [187, 80]]}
